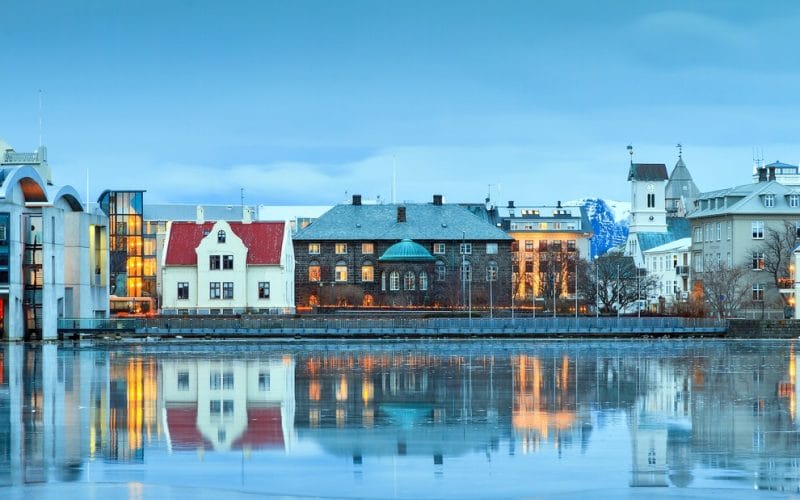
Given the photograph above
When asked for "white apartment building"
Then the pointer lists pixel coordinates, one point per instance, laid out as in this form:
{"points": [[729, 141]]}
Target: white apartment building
{"points": [[669, 265], [228, 268]]}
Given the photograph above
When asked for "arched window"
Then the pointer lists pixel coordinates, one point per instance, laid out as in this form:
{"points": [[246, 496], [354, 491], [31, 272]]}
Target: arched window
{"points": [[340, 271], [220, 236], [383, 281], [367, 272], [410, 281], [368, 300], [394, 281], [423, 280], [491, 271], [314, 273], [441, 271], [466, 271], [313, 300]]}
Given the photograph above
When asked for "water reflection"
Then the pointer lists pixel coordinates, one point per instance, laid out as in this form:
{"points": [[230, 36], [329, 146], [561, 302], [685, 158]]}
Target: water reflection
{"points": [[439, 417]]}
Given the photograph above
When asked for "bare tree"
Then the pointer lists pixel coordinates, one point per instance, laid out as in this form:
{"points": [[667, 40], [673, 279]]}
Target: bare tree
{"points": [[725, 289], [777, 248], [615, 281]]}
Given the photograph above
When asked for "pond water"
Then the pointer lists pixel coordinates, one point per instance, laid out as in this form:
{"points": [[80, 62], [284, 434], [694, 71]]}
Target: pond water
{"points": [[399, 419]]}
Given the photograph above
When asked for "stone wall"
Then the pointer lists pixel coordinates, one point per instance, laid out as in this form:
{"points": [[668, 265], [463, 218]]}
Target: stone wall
{"points": [[764, 329]]}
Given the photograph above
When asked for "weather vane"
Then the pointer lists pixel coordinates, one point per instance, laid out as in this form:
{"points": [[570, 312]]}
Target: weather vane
{"points": [[680, 150], [630, 152]]}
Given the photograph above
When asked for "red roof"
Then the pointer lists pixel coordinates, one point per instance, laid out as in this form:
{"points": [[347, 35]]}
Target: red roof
{"points": [[183, 432], [264, 429], [264, 241]]}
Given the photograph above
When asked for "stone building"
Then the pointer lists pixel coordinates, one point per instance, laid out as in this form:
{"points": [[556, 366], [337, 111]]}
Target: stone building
{"points": [[401, 256]]}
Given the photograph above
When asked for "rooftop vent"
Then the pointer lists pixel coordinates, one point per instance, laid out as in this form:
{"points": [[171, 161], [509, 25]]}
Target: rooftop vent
{"points": [[437, 199], [356, 199], [510, 203]]}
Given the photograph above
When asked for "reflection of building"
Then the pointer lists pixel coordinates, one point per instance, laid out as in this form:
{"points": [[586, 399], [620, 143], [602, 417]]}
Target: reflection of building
{"points": [[53, 254], [224, 405], [228, 267]]}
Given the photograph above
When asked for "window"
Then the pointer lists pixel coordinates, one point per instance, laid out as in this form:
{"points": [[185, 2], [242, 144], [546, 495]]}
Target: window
{"points": [[227, 290], [571, 245], [213, 262], [220, 236], [542, 245], [340, 271], [529, 245], [491, 248], [227, 262], [227, 411], [314, 273], [758, 229], [466, 271], [341, 248], [367, 272], [794, 200], [423, 280], [730, 230], [797, 228], [410, 281], [215, 380], [758, 261], [263, 289], [758, 292], [383, 281], [465, 248], [651, 196], [313, 248], [394, 281], [491, 271], [367, 248], [719, 231], [441, 271], [215, 408], [183, 381], [214, 290], [438, 248], [556, 247], [183, 290], [698, 234], [769, 200], [3, 235], [227, 381], [263, 381]]}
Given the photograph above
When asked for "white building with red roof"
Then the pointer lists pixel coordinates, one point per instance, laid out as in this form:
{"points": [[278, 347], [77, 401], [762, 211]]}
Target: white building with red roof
{"points": [[228, 268]]}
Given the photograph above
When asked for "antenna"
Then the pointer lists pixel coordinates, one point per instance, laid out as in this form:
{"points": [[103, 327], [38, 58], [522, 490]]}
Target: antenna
{"points": [[40, 117]]}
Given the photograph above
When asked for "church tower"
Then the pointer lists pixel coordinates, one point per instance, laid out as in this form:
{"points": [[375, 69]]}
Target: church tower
{"points": [[681, 189], [648, 201]]}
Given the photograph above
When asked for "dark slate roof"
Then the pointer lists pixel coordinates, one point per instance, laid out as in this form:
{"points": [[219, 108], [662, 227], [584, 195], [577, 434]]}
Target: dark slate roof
{"points": [[680, 183], [406, 251], [677, 228], [648, 172], [424, 221]]}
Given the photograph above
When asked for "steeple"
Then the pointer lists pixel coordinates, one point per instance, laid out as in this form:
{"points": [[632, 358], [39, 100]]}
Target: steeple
{"points": [[681, 189]]}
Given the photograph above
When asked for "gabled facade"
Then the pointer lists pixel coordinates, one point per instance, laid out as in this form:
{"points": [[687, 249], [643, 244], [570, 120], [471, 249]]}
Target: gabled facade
{"points": [[402, 256], [53, 254], [228, 268], [670, 266]]}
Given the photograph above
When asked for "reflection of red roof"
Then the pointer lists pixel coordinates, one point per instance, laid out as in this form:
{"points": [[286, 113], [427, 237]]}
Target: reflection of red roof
{"points": [[264, 429], [183, 432], [262, 239]]}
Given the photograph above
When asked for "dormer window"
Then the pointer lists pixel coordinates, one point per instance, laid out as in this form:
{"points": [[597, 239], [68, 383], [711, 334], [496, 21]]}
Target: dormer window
{"points": [[221, 236], [794, 200], [769, 200]]}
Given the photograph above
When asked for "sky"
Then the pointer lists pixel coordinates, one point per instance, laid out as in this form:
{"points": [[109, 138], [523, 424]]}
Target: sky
{"points": [[309, 102]]}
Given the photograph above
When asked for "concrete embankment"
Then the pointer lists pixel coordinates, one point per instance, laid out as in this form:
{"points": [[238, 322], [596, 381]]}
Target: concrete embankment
{"points": [[763, 329]]}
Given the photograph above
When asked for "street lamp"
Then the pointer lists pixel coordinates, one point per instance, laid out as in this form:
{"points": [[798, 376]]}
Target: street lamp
{"points": [[596, 289]]}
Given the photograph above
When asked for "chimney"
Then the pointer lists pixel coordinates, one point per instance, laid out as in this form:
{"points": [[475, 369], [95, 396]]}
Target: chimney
{"points": [[510, 203], [558, 205], [437, 199], [200, 215], [401, 214], [762, 174], [356, 200], [771, 171]]}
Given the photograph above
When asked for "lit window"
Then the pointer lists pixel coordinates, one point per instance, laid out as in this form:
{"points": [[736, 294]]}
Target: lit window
{"points": [[367, 248], [314, 273], [214, 290], [529, 245], [183, 290], [769, 200], [213, 262], [340, 272], [263, 289], [758, 229], [491, 271], [423, 280], [394, 281], [367, 272], [410, 281], [758, 292], [441, 271], [221, 236], [438, 248], [341, 248], [227, 262], [491, 248], [368, 300], [227, 290], [465, 248], [313, 248], [758, 261]]}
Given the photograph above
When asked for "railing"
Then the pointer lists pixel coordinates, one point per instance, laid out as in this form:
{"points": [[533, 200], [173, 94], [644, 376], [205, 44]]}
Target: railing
{"points": [[14, 158], [682, 270], [394, 325]]}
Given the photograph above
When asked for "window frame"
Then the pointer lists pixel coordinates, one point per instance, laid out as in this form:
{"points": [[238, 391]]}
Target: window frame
{"points": [[340, 248], [465, 249], [227, 290], [314, 248], [439, 248], [262, 286], [227, 262], [214, 263], [183, 290], [214, 290]]}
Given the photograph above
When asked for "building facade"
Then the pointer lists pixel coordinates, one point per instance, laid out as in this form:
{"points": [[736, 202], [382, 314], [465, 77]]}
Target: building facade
{"points": [[670, 267], [53, 254], [402, 256], [732, 227], [228, 268]]}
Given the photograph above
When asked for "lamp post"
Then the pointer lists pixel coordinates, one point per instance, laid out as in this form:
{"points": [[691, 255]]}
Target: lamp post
{"points": [[576, 288], [596, 289]]}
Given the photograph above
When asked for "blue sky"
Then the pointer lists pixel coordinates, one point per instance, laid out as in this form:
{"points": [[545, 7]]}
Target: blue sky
{"points": [[307, 102]]}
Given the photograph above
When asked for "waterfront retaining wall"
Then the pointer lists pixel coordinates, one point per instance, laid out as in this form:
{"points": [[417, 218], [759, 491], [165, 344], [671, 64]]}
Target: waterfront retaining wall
{"points": [[763, 329]]}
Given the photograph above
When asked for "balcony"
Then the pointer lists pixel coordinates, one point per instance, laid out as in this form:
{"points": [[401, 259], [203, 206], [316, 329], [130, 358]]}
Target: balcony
{"points": [[682, 270]]}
